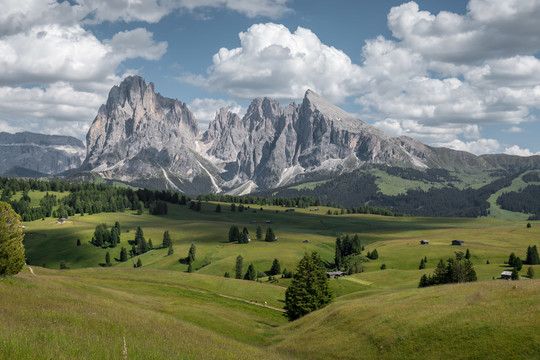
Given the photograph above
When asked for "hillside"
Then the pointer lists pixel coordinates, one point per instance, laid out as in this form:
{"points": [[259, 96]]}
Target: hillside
{"points": [[162, 314], [160, 309]]}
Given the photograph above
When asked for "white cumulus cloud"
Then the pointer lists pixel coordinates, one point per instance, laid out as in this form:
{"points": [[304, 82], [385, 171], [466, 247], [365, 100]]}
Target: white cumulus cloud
{"points": [[516, 150], [274, 62], [205, 109]]}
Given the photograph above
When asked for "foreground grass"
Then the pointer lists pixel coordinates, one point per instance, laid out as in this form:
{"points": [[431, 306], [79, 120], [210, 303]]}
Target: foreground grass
{"points": [[87, 313], [489, 320]]}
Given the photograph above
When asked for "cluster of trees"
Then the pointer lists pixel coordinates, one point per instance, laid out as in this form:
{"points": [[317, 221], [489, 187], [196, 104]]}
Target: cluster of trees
{"points": [[195, 205], [346, 246], [525, 201], [84, 198], [250, 274], [517, 264], [139, 244], [309, 289], [103, 237], [456, 270], [293, 201], [236, 236]]}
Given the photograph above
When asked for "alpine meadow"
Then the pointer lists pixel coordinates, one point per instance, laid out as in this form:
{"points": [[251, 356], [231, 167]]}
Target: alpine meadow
{"points": [[269, 179]]}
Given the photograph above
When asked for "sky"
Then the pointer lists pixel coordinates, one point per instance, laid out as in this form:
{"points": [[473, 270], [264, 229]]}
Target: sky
{"points": [[459, 74]]}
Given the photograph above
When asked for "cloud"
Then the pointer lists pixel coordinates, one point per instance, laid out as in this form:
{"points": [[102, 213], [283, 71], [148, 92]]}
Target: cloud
{"points": [[49, 110], [282, 65], [52, 53], [481, 146], [514, 130], [516, 150], [205, 109]]}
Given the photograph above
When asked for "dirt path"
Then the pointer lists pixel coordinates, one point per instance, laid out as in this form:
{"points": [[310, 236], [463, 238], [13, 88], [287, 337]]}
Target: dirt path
{"points": [[251, 302], [31, 270]]}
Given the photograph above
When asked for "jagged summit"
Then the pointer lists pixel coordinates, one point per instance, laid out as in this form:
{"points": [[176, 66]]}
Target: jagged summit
{"points": [[144, 138]]}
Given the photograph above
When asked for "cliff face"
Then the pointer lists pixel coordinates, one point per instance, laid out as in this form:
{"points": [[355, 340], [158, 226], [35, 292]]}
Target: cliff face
{"points": [[139, 135], [146, 139], [28, 154]]}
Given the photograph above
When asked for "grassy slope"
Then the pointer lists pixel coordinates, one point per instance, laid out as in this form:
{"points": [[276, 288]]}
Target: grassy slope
{"points": [[94, 308], [490, 320], [497, 212]]}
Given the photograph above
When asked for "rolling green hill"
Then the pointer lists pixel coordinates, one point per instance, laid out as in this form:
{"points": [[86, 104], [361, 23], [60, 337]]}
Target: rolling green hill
{"points": [[164, 312]]}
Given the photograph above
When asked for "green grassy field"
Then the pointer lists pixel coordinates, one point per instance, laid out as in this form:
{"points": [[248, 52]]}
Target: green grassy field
{"points": [[164, 312]]}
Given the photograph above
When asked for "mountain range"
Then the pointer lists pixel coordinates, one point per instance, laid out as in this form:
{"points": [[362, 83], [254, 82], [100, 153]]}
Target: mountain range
{"points": [[145, 139]]}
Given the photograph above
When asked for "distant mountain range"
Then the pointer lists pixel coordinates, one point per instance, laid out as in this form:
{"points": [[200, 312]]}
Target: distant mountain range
{"points": [[147, 140], [28, 154]]}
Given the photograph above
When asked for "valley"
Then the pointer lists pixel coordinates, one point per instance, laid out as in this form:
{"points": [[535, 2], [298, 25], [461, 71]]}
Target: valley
{"points": [[160, 308]]}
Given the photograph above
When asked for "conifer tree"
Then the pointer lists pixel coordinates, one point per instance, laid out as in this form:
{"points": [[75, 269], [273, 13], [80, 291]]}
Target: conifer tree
{"points": [[123, 254], [227, 275], [12, 256], [422, 265], [190, 268], [515, 275], [532, 256], [338, 260], [239, 266], [234, 234], [512, 259], [259, 233], [139, 263], [171, 250], [150, 245], [191, 253], [270, 237], [530, 272], [78, 242], [468, 254], [251, 274], [309, 289], [518, 264], [276, 268], [166, 239], [218, 208], [107, 259]]}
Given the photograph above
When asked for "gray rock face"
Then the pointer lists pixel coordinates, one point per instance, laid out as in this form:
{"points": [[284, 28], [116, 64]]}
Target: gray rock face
{"points": [[39, 153], [141, 134], [274, 145], [140, 137]]}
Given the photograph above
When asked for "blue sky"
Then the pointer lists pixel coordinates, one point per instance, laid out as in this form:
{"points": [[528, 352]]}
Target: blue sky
{"points": [[460, 74]]}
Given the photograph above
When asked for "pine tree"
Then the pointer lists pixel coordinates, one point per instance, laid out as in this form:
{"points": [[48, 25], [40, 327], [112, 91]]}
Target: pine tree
{"points": [[530, 272], [383, 267], [259, 233], [515, 275], [532, 256], [117, 226], [270, 235], [171, 250], [424, 281], [114, 237], [309, 289], [12, 256], [511, 259], [190, 268], [108, 259], [191, 253], [276, 268], [166, 239], [234, 234], [529, 225], [338, 259], [198, 207], [251, 274], [123, 254], [239, 266], [233, 207], [139, 263], [374, 254], [518, 264], [218, 208], [422, 265], [150, 245], [468, 254], [78, 242]]}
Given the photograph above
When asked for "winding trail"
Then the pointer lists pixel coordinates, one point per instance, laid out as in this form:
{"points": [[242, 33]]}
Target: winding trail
{"points": [[31, 270]]}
